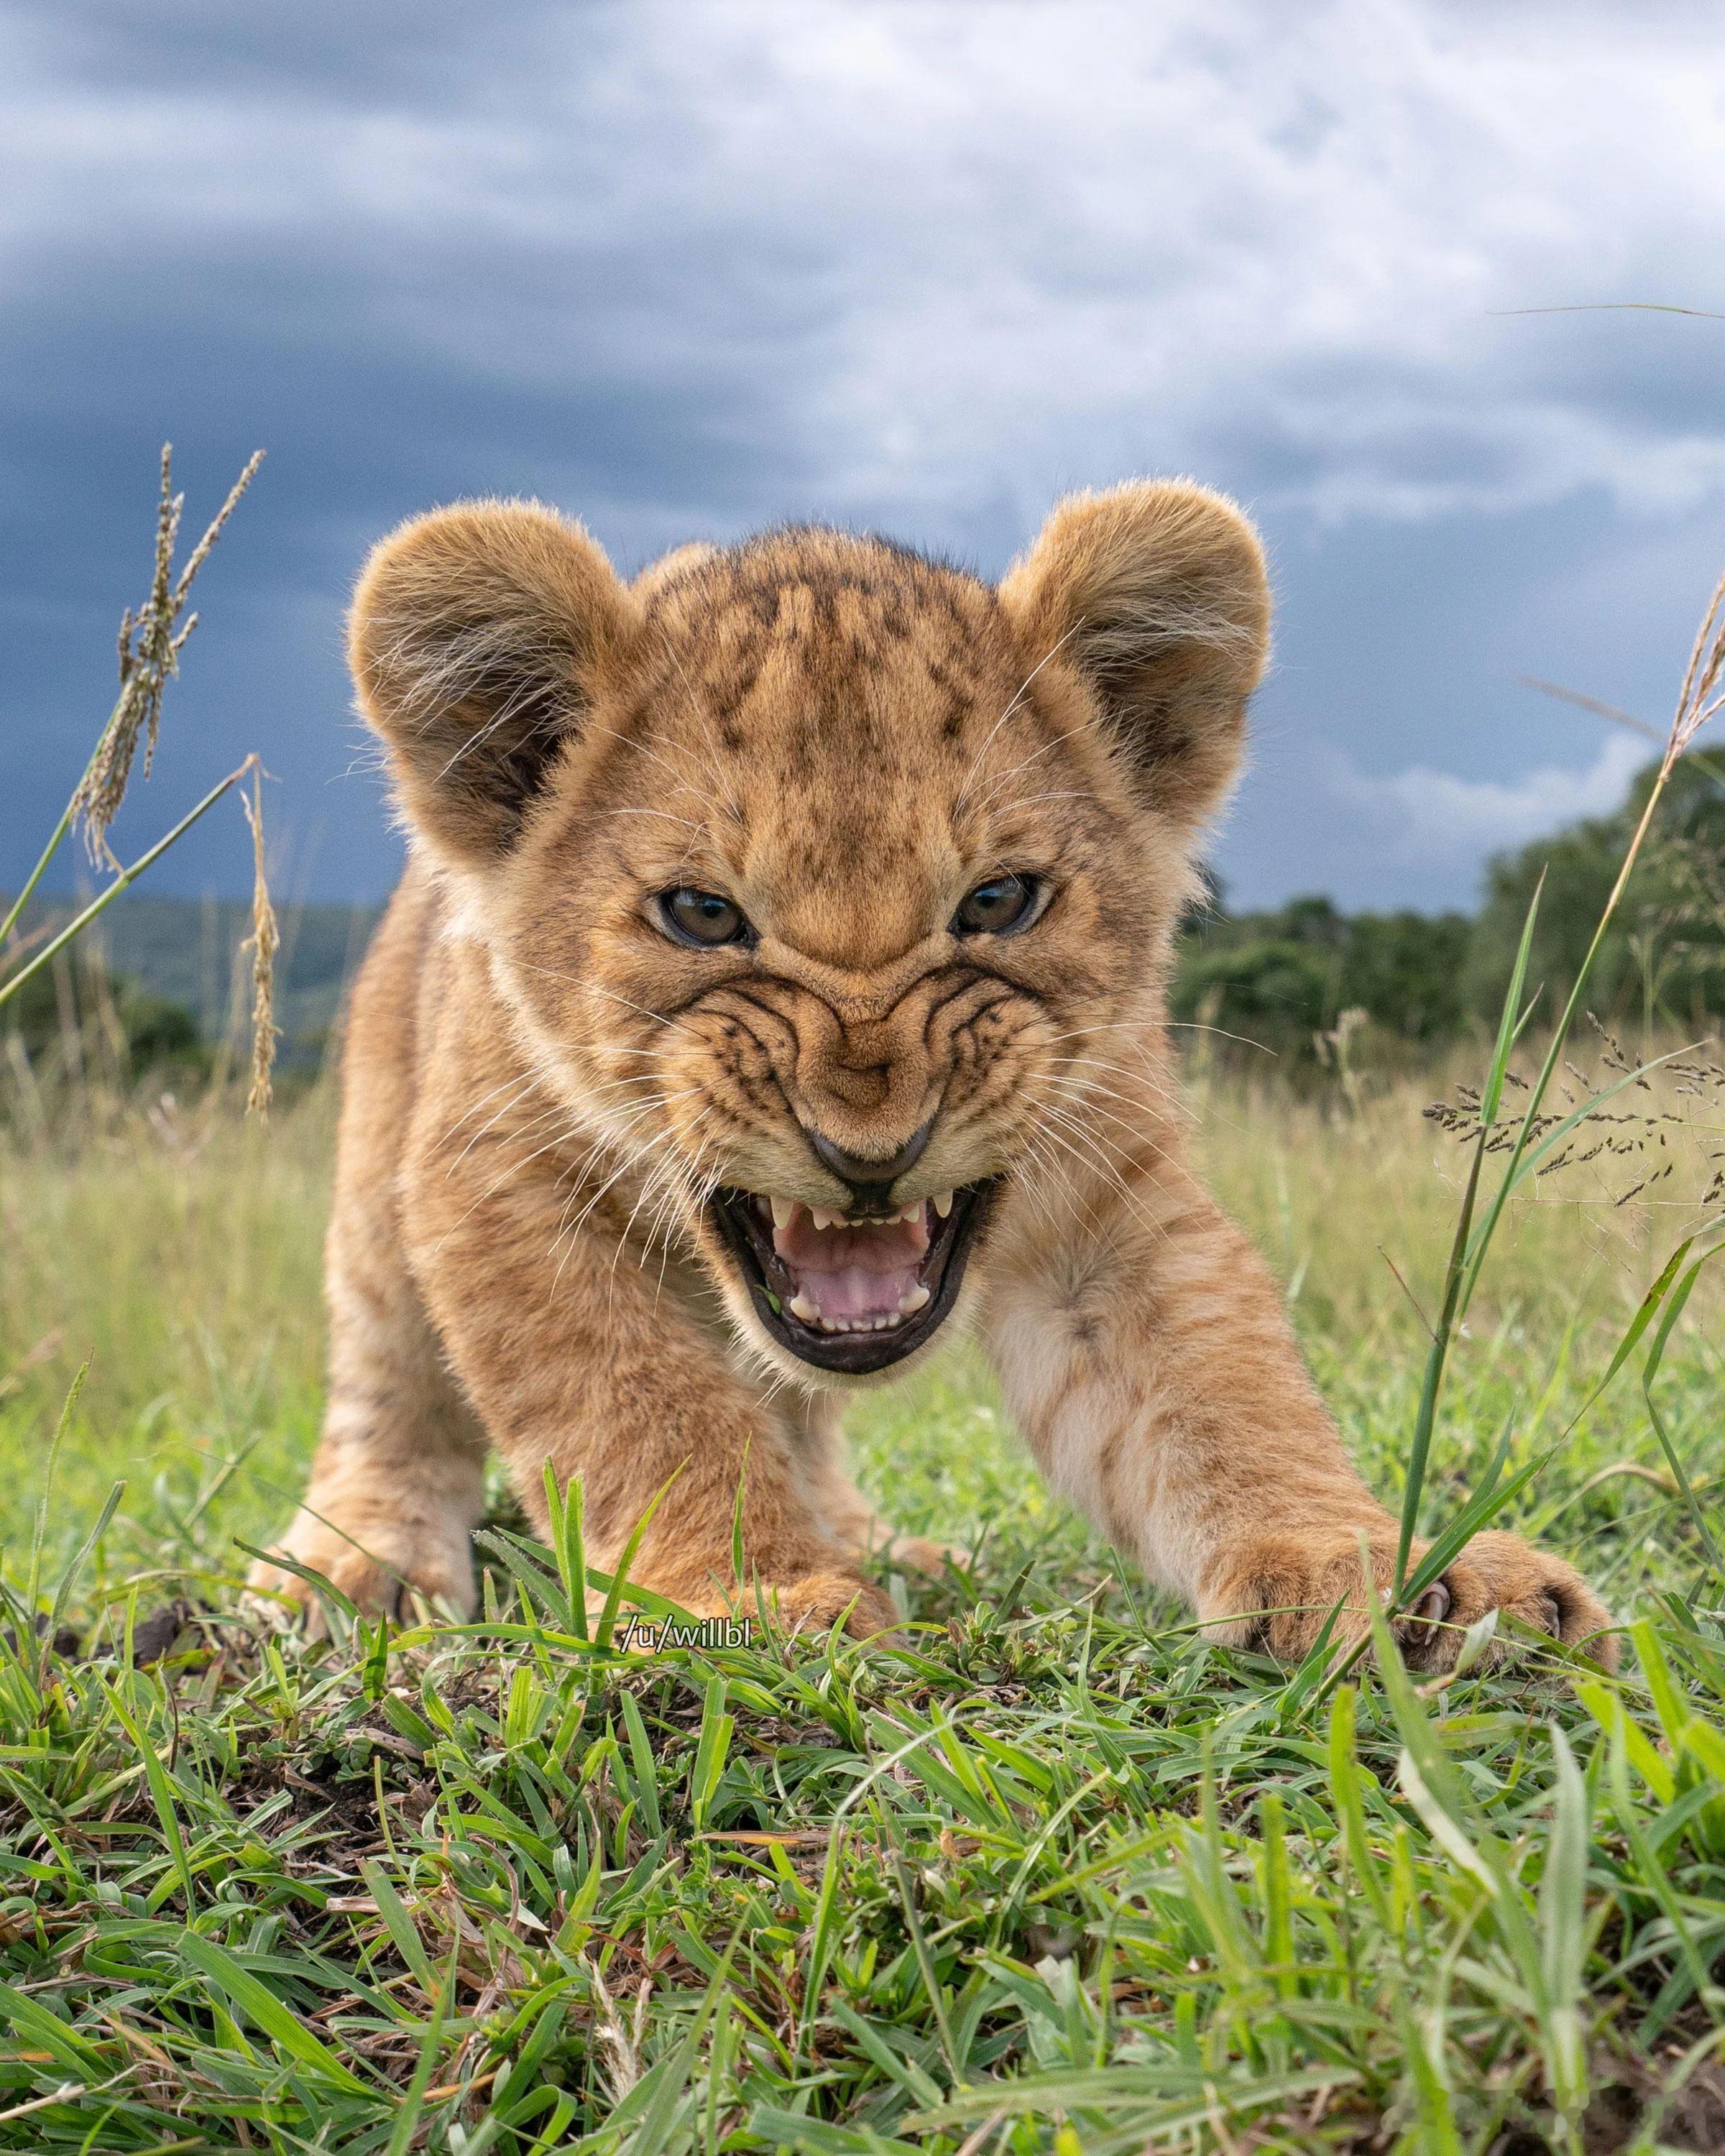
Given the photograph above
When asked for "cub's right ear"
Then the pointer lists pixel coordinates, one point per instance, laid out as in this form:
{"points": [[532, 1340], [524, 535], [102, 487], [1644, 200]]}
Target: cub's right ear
{"points": [[477, 637], [1155, 594]]}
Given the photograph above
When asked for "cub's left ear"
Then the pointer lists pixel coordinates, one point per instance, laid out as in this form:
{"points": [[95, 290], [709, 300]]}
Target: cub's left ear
{"points": [[1155, 593], [478, 637]]}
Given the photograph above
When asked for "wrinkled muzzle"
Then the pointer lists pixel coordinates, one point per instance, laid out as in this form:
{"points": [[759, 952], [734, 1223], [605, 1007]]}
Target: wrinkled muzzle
{"points": [[847, 1167]]}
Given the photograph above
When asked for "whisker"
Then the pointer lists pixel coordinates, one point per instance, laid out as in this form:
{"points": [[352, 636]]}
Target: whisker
{"points": [[1017, 697], [521, 1085]]}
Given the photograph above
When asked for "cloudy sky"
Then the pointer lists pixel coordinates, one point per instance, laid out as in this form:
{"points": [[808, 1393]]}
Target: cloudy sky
{"points": [[920, 266]]}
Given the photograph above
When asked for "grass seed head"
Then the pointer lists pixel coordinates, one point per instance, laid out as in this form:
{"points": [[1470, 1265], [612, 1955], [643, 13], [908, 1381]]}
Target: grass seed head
{"points": [[263, 942], [150, 643]]}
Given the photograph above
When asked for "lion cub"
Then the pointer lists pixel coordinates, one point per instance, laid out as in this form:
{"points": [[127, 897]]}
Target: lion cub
{"points": [[776, 992]]}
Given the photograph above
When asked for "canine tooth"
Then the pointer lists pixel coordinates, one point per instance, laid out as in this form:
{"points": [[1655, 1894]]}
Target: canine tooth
{"points": [[913, 1300], [943, 1203], [800, 1306], [783, 1211]]}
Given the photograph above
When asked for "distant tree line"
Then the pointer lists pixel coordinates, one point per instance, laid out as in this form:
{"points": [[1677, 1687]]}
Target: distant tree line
{"points": [[163, 983], [77, 1016], [1287, 978]]}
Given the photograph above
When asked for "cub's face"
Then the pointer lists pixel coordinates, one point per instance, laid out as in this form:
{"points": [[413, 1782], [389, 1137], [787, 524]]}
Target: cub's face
{"points": [[823, 880]]}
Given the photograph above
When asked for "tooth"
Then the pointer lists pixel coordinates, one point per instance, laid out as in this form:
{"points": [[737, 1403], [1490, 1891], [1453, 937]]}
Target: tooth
{"points": [[784, 1211], [800, 1306], [824, 1219], [943, 1203], [912, 1214], [913, 1300]]}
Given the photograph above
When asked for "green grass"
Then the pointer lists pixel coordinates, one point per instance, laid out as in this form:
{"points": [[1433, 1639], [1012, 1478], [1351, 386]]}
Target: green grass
{"points": [[1048, 1874]]}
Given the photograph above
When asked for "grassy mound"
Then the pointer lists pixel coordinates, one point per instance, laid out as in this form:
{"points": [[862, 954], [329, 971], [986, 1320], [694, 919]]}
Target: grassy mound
{"points": [[1044, 1872]]}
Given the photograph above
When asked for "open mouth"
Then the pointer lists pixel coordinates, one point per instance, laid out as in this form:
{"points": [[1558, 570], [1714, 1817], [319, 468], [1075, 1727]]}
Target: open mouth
{"points": [[847, 1293]]}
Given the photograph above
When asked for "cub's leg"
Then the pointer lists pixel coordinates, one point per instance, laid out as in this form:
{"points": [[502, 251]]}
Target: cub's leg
{"points": [[1146, 1354], [592, 1354], [395, 1489], [847, 1513], [396, 1486]]}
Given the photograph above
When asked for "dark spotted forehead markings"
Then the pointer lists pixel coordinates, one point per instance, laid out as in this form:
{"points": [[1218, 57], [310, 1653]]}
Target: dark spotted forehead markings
{"points": [[962, 689], [819, 566], [787, 587]]}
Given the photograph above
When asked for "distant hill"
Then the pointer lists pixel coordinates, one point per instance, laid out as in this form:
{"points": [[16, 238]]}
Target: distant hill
{"points": [[187, 950]]}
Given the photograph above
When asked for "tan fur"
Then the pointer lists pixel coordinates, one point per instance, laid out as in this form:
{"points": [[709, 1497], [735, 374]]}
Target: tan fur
{"points": [[542, 1090]]}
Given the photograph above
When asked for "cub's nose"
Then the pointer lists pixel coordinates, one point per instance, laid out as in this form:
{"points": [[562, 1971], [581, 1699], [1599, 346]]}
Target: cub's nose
{"points": [[870, 1181]]}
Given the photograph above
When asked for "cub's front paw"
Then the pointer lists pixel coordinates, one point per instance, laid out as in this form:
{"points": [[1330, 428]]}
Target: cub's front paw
{"points": [[1276, 1592], [1501, 1572], [917, 1553], [383, 1566], [813, 1604], [807, 1603]]}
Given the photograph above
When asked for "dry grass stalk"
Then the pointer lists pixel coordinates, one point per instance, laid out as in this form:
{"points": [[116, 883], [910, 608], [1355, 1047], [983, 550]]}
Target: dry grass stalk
{"points": [[1697, 703], [263, 942], [149, 648], [1699, 698]]}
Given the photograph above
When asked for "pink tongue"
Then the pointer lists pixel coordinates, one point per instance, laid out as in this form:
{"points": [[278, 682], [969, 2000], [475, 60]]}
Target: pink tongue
{"points": [[852, 1272]]}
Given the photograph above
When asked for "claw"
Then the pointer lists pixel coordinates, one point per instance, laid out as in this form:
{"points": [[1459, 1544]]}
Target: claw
{"points": [[1433, 1604]]}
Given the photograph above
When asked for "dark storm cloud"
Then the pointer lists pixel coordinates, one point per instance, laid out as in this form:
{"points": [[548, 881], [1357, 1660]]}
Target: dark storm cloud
{"points": [[426, 50], [687, 269]]}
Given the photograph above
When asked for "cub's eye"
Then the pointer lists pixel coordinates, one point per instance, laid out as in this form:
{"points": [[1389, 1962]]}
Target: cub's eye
{"points": [[998, 906], [702, 917]]}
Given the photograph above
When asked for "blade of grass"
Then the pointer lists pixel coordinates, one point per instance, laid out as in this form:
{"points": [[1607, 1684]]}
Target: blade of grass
{"points": [[619, 1577], [1438, 1354], [33, 1587], [266, 2012], [162, 1795], [123, 881], [1656, 1355], [412, 2102]]}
